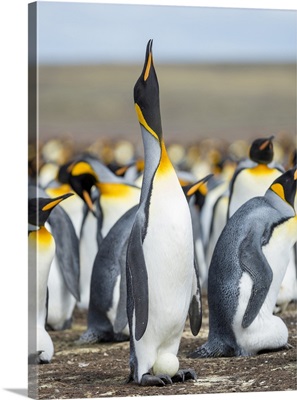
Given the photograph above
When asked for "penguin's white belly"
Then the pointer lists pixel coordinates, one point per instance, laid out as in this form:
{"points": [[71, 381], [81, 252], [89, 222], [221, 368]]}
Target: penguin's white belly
{"points": [[112, 312], [249, 185], [61, 302], [288, 289], [114, 207], [207, 209], [74, 209], [88, 249], [278, 253], [168, 251], [219, 222], [41, 252], [266, 331]]}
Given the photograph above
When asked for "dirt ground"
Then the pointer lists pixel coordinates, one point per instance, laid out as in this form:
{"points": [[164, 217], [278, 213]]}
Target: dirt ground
{"points": [[101, 370]]}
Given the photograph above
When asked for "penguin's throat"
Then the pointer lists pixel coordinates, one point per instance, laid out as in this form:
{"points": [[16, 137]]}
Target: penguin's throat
{"points": [[262, 169], [118, 190], [59, 191], [42, 236], [165, 165]]}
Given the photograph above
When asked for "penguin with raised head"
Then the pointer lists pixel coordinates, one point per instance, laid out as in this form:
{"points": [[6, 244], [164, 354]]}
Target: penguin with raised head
{"points": [[247, 268], [162, 281], [107, 315], [41, 251]]}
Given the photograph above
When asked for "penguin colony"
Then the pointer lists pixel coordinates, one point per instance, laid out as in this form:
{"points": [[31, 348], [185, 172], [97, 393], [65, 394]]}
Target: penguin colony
{"points": [[135, 244]]}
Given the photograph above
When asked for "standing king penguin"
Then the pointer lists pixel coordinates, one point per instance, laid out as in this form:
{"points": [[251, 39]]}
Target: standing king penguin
{"points": [[41, 251], [253, 176], [107, 197], [162, 280], [246, 271]]}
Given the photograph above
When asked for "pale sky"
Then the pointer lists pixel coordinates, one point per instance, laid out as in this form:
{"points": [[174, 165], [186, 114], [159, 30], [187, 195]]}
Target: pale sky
{"points": [[83, 32]]}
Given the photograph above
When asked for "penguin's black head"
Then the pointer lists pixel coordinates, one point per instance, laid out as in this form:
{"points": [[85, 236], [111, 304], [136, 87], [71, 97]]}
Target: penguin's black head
{"points": [[39, 208], [294, 158], [146, 96], [261, 150], [82, 178], [64, 172], [285, 186]]}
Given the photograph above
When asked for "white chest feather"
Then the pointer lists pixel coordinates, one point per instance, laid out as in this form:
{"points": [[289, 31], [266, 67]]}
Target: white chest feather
{"points": [[168, 249], [251, 183], [113, 207], [278, 252]]}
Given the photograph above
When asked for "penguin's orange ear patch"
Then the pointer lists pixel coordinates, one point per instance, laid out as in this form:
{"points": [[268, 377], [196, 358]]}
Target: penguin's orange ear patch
{"points": [[198, 186], [295, 175], [279, 190], [264, 145], [148, 67]]}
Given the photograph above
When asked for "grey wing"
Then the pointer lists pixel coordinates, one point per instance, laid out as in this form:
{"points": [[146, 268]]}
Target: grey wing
{"points": [[253, 261], [67, 248], [138, 279], [127, 221], [195, 309], [121, 317]]}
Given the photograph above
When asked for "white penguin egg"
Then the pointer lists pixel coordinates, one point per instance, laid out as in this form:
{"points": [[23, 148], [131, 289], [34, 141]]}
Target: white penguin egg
{"points": [[166, 363]]}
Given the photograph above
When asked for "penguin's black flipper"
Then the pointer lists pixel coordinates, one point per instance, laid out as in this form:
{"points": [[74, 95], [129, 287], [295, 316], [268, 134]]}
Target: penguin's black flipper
{"points": [[67, 249], [195, 309], [262, 277], [137, 274]]}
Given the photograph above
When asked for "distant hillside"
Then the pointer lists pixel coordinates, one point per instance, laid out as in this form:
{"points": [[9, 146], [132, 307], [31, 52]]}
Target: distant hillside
{"points": [[197, 101]]}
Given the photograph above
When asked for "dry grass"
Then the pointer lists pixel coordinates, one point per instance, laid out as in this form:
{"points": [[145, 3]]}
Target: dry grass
{"points": [[197, 101]]}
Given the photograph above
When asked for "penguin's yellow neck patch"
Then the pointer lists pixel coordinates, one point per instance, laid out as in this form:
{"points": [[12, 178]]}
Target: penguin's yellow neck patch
{"points": [[261, 169], [59, 191], [165, 165], [143, 122], [42, 237], [118, 190], [83, 168]]}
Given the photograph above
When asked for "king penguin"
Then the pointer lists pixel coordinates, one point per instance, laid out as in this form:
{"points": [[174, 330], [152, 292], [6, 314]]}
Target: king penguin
{"points": [[41, 251], [162, 280], [112, 197], [253, 176], [196, 194], [107, 313], [246, 271]]}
